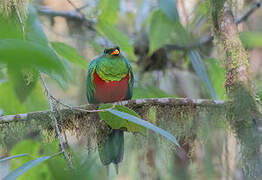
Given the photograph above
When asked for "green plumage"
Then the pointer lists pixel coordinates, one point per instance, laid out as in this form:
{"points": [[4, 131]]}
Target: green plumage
{"points": [[110, 68]]}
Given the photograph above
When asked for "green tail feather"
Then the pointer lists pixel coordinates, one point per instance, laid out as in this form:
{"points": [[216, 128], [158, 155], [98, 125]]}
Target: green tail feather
{"points": [[111, 148]]}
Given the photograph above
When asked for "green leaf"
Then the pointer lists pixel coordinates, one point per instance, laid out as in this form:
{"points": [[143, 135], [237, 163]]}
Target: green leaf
{"points": [[200, 70], [160, 30], [33, 28], [116, 123], [10, 26], [117, 37], [34, 149], [12, 157], [149, 92], [24, 80], [25, 167], [70, 54], [25, 53], [217, 76], [251, 39], [109, 11], [10, 104], [145, 124], [169, 8]]}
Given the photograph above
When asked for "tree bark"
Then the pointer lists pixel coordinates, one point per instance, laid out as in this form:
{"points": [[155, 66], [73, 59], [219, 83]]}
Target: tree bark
{"points": [[244, 113]]}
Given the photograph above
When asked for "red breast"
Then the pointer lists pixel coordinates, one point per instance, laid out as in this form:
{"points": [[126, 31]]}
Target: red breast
{"points": [[112, 91]]}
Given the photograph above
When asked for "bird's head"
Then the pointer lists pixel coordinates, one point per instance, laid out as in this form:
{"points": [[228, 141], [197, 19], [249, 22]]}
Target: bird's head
{"points": [[115, 51]]}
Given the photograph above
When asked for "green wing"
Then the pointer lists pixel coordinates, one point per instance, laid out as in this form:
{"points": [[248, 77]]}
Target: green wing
{"points": [[90, 87], [130, 82]]}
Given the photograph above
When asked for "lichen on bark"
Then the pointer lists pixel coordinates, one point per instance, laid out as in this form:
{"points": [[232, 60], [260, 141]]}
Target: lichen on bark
{"points": [[243, 111]]}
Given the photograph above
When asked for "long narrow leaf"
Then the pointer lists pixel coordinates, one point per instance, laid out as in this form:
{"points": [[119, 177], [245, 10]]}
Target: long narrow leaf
{"points": [[169, 8], [201, 71], [25, 167], [70, 54], [145, 124], [12, 157]]}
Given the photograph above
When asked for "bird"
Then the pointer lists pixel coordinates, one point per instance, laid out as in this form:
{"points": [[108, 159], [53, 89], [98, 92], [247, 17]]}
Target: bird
{"points": [[110, 79]]}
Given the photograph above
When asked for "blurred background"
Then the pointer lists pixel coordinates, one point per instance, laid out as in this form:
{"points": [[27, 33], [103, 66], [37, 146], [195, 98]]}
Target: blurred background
{"points": [[170, 47]]}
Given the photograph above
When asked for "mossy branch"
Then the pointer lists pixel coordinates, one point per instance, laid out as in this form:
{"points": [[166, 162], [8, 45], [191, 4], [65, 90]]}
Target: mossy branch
{"points": [[244, 114], [137, 104]]}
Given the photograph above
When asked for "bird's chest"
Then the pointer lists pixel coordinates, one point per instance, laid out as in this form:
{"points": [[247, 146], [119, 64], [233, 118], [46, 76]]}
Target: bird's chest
{"points": [[111, 91]]}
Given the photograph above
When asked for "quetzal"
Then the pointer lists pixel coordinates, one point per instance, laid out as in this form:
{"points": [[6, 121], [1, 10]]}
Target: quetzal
{"points": [[110, 79]]}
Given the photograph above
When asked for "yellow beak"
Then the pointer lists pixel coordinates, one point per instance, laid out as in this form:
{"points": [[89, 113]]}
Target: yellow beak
{"points": [[115, 52]]}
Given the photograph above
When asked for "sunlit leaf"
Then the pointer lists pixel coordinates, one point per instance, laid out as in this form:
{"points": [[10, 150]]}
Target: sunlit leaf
{"points": [[23, 80], [12, 157], [149, 92], [70, 54], [251, 39], [25, 53], [25, 167], [169, 8], [200, 70], [117, 37], [10, 26], [160, 30], [217, 76], [34, 148], [10, 104], [109, 11], [145, 124], [33, 28], [116, 122]]}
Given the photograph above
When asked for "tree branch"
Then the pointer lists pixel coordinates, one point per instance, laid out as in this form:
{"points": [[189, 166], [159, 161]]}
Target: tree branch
{"points": [[68, 15], [135, 104], [208, 38]]}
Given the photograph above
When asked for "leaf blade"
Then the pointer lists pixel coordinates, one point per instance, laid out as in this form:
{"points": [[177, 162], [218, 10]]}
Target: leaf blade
{"points": [[12, 157], [21, 53], [200, 70], [25, 167], [160, 30], [169, 8], [116, 123], [117, 37], [145, 124], [70, 54]]}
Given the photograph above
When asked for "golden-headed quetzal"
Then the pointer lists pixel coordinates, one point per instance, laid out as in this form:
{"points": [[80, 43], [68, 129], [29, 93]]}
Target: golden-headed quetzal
{"points": [[110, 79]]}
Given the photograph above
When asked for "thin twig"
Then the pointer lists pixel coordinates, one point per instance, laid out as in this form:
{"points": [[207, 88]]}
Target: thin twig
{"points": [[55, 120], [254, 7], [82, 7], [69, 15], [76, 8]]}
